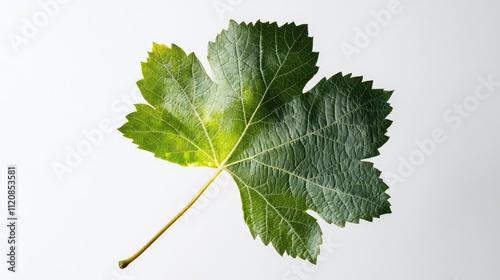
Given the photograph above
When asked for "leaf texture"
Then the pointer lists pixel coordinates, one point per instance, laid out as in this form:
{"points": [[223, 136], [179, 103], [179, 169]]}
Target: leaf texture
{"points": [[287, 151]]}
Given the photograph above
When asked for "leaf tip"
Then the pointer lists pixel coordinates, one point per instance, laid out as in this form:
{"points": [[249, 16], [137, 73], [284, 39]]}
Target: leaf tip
{"points": [[157, 46]]}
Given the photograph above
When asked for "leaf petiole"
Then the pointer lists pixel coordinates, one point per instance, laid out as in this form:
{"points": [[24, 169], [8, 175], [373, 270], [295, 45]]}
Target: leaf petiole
{"points": [[124, 263]]}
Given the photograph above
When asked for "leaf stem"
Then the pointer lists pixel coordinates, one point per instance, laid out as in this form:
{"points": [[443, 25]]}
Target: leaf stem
{"points": [[124, 263]]}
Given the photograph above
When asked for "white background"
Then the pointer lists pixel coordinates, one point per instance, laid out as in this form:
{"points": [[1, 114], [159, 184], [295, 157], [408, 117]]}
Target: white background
{"points": [[77, 68]]}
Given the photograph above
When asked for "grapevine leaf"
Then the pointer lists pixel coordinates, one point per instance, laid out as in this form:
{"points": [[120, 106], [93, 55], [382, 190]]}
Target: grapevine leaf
{"points": [[287, 151]]}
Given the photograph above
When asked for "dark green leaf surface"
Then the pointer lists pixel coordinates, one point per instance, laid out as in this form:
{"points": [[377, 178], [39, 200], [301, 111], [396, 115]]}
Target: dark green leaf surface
{"points": [[288, 151]]}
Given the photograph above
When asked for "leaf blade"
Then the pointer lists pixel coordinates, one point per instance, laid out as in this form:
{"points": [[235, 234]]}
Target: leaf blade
{"points": [[339, 186], [288, 151]]}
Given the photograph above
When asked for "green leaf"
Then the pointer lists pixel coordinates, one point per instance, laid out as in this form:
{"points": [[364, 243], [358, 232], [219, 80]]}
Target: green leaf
{"points": [[288, 151]]}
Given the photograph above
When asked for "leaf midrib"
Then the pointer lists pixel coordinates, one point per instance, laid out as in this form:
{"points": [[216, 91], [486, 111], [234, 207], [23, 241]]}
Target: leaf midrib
{"points": [[303, 136], [276, 211], [214, 157], [268, 86], [339, 192]]}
